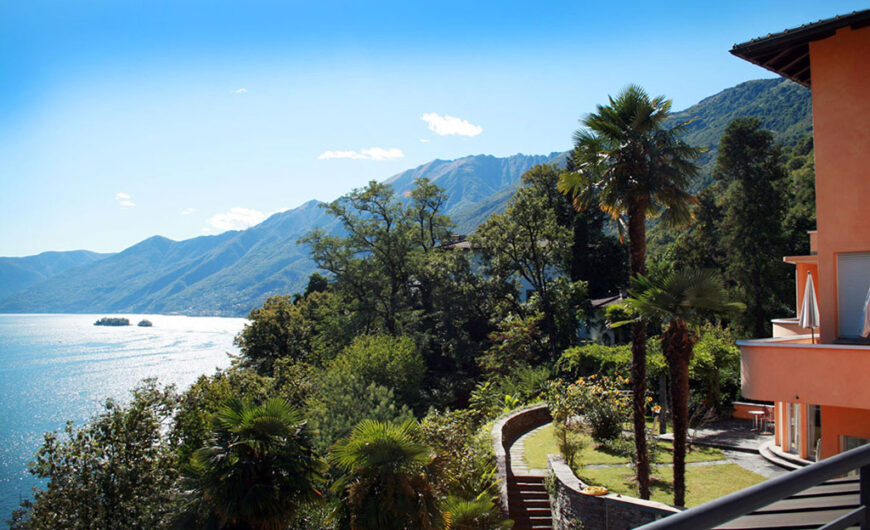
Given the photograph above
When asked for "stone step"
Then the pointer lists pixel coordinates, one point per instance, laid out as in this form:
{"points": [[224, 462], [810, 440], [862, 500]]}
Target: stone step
{"points": [[531, 503], [527, 479], [532, 522], [528, 495], [776, 459]]}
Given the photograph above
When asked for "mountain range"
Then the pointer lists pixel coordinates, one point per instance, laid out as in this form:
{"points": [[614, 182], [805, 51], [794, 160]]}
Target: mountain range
{"points": [[231, 273]]}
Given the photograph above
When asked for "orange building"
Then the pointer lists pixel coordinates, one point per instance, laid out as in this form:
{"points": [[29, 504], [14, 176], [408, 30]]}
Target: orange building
{"points": [[822, 389]]}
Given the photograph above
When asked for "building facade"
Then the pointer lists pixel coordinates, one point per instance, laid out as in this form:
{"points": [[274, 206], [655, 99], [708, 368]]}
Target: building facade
{"points": [[819, 379]]}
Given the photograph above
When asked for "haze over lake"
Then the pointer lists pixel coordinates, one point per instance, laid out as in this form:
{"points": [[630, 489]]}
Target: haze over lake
{"points": [[55, 368]]}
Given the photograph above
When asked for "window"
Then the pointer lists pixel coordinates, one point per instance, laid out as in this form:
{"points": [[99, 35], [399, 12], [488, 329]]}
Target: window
{"points": [[853, 283]]}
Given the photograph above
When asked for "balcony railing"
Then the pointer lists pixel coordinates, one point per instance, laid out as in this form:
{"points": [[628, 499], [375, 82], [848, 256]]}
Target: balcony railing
{"points": [[746, 501]]}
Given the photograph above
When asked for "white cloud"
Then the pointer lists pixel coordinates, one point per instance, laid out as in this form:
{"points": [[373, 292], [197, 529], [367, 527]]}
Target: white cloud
{"points": [[124, 199], [449, 125], [236, 219], [241, 90], [188, 211], [372, 153], [424, 140]]}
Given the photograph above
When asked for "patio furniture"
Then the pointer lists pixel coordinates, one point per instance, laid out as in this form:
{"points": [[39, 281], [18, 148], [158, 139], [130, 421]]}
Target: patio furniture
{"points": [[756, 418]]}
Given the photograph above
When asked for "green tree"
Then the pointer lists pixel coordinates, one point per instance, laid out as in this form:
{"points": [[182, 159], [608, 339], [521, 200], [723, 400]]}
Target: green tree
{"points": [[632, 167], [256, 473], [750, 170], [384, 483], [679, 300], [283, 328], [391, 362], [116, 471], [527, 243], [343, 399], [375, 263]]}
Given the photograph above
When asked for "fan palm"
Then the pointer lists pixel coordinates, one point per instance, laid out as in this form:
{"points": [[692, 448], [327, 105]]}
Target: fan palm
{"points": [[680, 299], [258, 471], [478, 514], [384, 485], [627, 163]]}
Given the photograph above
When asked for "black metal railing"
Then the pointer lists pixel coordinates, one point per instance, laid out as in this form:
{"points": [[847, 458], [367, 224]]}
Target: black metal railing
{"points": [[748, 500]]}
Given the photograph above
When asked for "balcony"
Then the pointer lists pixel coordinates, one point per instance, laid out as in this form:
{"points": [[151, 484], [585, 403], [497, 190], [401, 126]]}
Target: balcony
{"points": [[793, 369]]}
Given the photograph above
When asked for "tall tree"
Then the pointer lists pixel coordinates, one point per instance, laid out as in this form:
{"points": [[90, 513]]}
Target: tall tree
{"points": [[257, 472], [750, 170], [632, 167], [526, 243], [679, 300], [594, 257]]}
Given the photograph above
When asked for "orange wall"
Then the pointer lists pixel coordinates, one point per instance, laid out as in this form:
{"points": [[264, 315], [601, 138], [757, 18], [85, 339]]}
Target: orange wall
{"points": [[805, 373], [841, 114], [838, 421]]}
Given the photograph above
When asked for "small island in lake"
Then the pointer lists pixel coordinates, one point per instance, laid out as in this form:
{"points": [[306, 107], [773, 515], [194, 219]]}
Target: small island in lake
{"points": [[106, 321], [144, 324]]}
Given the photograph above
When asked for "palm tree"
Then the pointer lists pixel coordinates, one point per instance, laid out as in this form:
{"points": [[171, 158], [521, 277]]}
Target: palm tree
{"points": [[384, 485], [478, 514], [258, 471], [626, 162], [680, 299]]}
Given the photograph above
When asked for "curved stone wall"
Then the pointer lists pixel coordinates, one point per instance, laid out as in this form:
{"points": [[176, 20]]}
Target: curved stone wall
{"points": [[605, 512], [505, 432]]}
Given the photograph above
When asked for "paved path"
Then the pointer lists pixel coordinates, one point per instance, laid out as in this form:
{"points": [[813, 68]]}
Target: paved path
{"points": [[517, 450], [735, 435]]}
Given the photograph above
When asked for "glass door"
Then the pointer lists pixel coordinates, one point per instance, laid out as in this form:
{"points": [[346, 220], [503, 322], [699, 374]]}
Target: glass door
{"points": [[814, 431], [794, 428]]}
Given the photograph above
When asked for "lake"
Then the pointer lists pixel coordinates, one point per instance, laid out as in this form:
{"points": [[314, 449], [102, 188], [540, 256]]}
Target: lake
{"points": [[55, 368]]}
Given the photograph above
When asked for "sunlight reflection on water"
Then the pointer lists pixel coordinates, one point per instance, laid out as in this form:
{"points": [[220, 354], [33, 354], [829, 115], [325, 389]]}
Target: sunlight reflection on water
{"points": [[59, 367]]}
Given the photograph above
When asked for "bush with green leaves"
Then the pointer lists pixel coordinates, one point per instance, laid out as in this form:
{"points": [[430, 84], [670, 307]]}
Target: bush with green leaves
{"points": [[464, 464], [344, 399], [598, 401], [391, 362]]}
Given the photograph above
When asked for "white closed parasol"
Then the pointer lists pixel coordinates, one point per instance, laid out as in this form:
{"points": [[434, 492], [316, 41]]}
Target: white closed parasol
{"points": [[865, 325], [810, 308]]}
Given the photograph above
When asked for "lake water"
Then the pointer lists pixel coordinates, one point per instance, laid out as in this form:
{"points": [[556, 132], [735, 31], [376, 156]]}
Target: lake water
{"points": [[55, 368]]}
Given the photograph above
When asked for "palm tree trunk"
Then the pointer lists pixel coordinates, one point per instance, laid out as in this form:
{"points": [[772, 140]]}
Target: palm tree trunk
{"points": [[677, 345], [637, 263]]}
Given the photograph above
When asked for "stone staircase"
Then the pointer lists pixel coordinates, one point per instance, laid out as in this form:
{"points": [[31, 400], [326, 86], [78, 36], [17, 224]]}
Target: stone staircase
{"points": [[529, 502]]}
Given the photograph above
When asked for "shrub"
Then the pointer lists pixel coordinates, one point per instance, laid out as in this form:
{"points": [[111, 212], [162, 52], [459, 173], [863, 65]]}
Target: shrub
{"points": [[570, 440], [597, 400], [391, 362]]}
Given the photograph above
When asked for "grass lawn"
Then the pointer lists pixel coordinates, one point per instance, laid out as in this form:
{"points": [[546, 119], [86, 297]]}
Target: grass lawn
{"points": [[542, 443], [703, 483]]}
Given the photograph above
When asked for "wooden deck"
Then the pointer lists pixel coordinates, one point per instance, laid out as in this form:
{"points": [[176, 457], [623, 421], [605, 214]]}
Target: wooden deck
{"points": [[810, 508]]}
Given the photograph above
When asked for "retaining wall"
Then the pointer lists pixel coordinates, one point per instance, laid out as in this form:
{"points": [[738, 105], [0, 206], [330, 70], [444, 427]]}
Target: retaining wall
{"points": [[605, 512]]}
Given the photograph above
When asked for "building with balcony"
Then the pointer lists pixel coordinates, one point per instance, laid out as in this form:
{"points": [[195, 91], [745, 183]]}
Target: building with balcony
{"points": [[820, 379]]}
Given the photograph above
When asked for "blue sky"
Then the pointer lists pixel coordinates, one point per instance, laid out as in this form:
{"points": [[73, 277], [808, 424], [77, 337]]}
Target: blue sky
{"points": [[122, 120]]}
